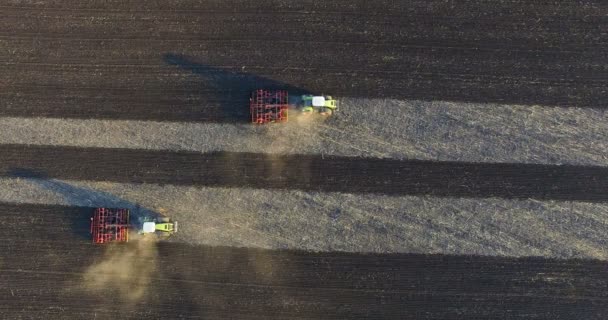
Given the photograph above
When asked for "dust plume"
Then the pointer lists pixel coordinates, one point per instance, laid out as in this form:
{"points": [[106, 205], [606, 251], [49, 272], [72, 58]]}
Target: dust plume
{"points": [[300, 133], [296, 135], [125, 269]]}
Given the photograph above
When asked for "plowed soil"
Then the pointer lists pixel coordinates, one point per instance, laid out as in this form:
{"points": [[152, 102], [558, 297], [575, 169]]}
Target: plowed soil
{"points": [[198, 60], [308, 172]]}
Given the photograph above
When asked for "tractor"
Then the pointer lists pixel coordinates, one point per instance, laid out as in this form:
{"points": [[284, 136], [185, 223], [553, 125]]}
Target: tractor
{"points": [[113, 225], [268, 106], [163, 226], [324, 105]]}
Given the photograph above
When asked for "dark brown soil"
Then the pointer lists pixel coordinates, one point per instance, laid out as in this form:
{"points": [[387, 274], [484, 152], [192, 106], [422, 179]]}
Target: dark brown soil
{"points": [[308, 172], [198, 60]]}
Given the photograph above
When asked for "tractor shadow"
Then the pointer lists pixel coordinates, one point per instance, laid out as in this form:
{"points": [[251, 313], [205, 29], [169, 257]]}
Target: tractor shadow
{"points": [[228, 90], [84, 200]]}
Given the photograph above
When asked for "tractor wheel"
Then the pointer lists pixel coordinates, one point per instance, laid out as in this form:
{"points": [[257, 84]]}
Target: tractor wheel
{"points": [[326, 112]]}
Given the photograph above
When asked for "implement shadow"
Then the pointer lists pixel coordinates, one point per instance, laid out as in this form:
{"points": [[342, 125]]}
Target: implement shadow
{"points": [[84, 198], [227, 90]]}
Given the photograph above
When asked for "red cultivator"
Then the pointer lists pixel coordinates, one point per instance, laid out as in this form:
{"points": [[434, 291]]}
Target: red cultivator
{"points": [[110, 225], [269, 106]]}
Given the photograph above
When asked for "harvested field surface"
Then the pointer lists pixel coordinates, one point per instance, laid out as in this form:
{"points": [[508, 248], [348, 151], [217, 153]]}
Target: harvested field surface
{"points": [[471, 127], [198, 60], [51, 277], [307, 172]]}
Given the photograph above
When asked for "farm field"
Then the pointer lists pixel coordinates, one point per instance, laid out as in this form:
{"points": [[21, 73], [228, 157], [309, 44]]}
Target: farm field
{"points": [[464, 176], [48, 278]]}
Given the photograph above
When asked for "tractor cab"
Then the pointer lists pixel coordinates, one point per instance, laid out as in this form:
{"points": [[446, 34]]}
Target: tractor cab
{"points": [[325, 105], [148, 227], [163, 227], [318, 101]]}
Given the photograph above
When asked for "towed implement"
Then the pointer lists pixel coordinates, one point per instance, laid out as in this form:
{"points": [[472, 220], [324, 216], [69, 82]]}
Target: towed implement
{"points": [[113, 225], [267, 106]]}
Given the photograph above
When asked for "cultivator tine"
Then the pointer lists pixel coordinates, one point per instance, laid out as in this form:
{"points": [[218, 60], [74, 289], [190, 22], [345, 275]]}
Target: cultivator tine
{"points": [[269, 106], [110, 225]]}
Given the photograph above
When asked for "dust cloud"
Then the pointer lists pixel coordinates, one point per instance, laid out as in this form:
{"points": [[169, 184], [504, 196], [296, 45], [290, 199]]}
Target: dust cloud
{"points": [[125, 270], [299, 133]]}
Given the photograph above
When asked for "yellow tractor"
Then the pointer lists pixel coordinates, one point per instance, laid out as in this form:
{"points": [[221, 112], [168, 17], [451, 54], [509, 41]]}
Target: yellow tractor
{"points": [[163, 226], [268, 106], [114, 225], [325, 105]]}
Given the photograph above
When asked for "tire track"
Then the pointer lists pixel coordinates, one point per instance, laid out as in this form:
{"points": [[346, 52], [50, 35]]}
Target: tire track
{"points": [[42, 36], [46, 69]]}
